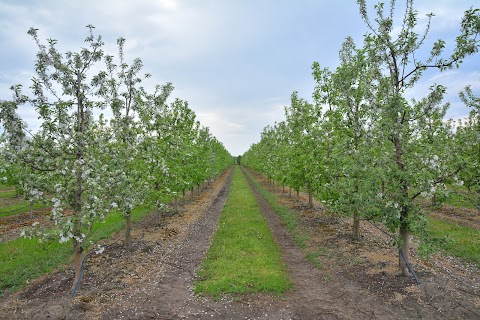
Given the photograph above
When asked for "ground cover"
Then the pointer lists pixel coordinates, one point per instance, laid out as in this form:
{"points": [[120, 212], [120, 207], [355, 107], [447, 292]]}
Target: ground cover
{"points": [[243, 256], [456, 240]]}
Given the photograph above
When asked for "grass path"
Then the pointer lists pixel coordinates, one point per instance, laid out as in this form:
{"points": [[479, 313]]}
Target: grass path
{"points": [[243, 256]]}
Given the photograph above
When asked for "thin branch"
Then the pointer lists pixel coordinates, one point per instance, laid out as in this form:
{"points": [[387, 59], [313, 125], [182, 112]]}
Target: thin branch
{"points": [[441, 179]]}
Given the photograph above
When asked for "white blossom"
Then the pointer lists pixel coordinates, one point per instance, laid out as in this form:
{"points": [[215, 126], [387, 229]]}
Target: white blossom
{"points": [[63, 239], [100, 250]]}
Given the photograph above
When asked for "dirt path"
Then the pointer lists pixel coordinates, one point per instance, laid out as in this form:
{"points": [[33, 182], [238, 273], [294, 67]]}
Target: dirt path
{"points": [[313, 295]]}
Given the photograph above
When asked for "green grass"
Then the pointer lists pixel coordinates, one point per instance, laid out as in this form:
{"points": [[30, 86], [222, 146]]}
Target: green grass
{"points": [[459, 201], [243, 257], [463, 242], [25, 259]]}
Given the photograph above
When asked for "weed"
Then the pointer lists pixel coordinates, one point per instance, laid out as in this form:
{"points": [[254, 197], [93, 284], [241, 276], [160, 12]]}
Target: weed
{"points": [[327, 278], [313, 258]]}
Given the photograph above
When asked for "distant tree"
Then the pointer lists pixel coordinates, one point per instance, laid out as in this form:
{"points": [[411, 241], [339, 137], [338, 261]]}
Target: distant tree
{"points": [[306, 145], [468, 144]]}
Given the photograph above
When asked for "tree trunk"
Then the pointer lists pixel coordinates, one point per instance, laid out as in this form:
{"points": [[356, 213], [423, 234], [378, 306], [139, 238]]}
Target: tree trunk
{"points": [[77, 254], [77, 227], [192, 193], [310, 196], [31, 209], [356, 226], [176, 203], [403, 232], [290, 192], [298, 193], [283, 188], [128, 230], [158, 217], [404, 236], [356, 218], [184, 198]]}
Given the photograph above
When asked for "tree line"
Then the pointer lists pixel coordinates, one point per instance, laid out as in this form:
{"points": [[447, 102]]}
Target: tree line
{"points": [[365, 149], [104, 143]]}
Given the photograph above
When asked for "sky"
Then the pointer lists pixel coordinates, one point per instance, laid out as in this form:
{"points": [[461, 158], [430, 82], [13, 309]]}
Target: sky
{"points": [[236, 62]]}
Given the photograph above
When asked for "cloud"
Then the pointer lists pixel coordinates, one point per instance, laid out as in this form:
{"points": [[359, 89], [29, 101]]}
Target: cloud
{"points": [[454, 81], [236, 62]]}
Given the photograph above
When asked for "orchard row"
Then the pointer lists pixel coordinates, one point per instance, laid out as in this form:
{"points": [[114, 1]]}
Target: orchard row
{"points": [[362, 147], [147, 151]]}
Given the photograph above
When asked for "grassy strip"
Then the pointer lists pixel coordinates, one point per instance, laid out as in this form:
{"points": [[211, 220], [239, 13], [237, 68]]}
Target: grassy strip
{"points": [[462, 242], [244, 256], [25, 259], [20, 207], [289, 218], [300, 237], [8, 193]]}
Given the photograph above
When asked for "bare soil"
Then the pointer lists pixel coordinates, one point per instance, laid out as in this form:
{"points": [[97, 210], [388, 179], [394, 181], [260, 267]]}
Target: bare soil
{"points": [[352, 279]]}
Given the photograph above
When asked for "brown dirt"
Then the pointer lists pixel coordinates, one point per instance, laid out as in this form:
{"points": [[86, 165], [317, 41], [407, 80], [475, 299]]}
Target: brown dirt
{"points": [[352, 279], [11, 226]]}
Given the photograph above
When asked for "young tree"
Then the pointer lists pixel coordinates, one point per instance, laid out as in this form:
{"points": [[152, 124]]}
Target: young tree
{"points": [[401, 125], [348, 121], [121, 92], [64, 154]]}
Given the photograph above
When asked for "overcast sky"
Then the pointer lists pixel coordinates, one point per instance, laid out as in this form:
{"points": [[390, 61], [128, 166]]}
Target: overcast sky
{"points": [[235, 61]]}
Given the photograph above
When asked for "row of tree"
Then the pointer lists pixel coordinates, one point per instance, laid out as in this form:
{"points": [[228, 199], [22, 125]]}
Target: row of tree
{"points": [[146, 152], [366, 150]]}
